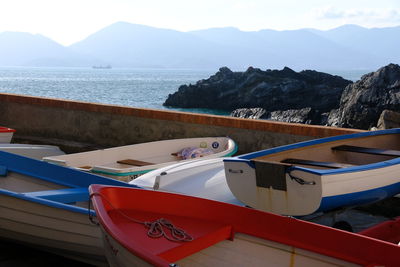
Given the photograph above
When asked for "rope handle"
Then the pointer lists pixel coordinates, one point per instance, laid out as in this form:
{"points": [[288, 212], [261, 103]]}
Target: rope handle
{"points": [[299, 180], [157, 228]]}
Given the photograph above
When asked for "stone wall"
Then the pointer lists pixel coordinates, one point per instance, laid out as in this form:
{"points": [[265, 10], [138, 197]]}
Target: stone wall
{"points": [[78, 126]]}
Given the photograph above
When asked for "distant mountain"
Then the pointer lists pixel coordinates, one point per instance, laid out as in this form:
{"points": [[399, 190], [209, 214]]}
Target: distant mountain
{"points": [[129, 45], [25, 49], [124, 44], [382, 43]]}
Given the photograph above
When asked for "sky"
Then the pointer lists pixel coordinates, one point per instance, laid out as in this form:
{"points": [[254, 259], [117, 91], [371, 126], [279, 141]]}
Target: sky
{"points": [[70, 21]]}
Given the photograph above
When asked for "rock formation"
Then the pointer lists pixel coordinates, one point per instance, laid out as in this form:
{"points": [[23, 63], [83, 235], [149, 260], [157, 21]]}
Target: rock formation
{"points": [[271, 90], [363, 102], [388, 119]]}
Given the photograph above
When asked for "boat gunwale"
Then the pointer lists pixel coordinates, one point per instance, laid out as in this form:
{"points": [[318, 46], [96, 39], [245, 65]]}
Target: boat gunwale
{"points": [[247, 158], [40, 170]]}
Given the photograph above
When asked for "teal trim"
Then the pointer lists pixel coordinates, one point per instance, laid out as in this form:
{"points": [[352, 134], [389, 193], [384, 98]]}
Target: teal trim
{"points": [[235, 149], [123, 173], [233, 152]]}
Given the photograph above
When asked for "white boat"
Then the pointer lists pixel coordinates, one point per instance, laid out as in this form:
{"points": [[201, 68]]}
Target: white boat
{"points": [[32, 151], [200, 178], [166, 229], [46, 206], [128, 162], [318, 175], [6, 134]]}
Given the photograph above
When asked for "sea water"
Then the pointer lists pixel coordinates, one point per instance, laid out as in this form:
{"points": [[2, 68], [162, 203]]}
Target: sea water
{"points": [[143, 88]]}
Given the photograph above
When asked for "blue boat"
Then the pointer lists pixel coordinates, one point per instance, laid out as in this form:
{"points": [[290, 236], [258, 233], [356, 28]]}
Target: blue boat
{"points": [[318, 175], [46, 206]]}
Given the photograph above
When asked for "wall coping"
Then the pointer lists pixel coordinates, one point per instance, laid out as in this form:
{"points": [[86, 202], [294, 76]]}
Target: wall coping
{"points": [[178, 116]]}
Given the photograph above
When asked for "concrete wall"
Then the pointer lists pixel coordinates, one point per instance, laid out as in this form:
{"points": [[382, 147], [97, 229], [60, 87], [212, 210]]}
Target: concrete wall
{"points": [[78, 126]]}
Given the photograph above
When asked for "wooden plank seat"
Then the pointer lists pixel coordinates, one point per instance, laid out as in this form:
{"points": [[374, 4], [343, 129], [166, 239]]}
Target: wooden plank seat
{"points": [[65, 195], [367, 150], [134, 162], [325, 164], [85, 167]]}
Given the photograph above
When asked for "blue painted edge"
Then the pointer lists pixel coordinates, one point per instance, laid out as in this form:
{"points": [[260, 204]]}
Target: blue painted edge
{"points": [[246, 158], [359, 198], [3, 171], [52, 173], [48, 202]]}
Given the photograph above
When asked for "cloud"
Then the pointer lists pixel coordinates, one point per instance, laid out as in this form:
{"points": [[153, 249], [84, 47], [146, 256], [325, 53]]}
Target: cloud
{"points": [[363, 16]]}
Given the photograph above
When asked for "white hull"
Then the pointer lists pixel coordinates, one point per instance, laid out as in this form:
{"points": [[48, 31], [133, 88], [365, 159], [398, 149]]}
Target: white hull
{"points": [[60, 231], [32, 151], [5, 137], [267, 182], [244, 250], [200, 178], [46, 206], [155, 154]]}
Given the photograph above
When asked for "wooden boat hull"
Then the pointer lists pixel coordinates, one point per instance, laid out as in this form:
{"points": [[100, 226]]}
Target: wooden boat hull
{"points": [[223, 234], [200, 178], [128, 162], [63, 232], [261, 179], [6, 134], [46, 206], [32, 151]]}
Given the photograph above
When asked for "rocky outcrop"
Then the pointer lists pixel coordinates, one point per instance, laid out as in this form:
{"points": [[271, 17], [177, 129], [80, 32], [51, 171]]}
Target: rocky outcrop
{"points": [[250, 113], [304, 115], [363, 102], [388, 119], [271, 90]]}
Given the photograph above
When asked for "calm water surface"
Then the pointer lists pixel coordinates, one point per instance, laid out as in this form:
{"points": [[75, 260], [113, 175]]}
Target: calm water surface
{"points": [[144, 88]]}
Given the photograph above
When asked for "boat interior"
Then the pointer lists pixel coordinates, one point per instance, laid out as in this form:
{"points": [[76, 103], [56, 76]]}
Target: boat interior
{"points": [[339, 154], [29, 186], [131, 156]]}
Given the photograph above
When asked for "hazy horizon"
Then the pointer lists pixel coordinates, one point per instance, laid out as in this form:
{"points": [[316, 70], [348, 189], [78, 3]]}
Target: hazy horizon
{"points": [[67, 22], [212, 28]]}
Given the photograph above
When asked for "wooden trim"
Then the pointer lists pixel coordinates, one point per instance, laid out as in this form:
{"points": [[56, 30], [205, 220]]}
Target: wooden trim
{"points": [[367, 150], [134, 162], [325, 164]]}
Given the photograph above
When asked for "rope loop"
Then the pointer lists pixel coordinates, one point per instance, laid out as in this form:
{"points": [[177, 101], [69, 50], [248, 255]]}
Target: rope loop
{"points": [[156, 228], [299, 180]]}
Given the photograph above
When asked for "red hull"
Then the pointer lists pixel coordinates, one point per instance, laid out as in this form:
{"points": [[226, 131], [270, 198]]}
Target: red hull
{"points": [[209, 222]]}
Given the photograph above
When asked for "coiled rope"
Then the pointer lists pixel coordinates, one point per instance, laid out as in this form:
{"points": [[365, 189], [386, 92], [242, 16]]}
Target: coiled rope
{"points": [[157, 228]]}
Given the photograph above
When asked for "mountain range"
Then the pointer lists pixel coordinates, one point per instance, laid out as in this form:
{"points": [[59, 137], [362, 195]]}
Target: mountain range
{"points": [[124, 44]]}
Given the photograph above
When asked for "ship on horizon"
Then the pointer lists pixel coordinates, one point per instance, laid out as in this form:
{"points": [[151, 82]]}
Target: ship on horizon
{"points": [[102, 67]]}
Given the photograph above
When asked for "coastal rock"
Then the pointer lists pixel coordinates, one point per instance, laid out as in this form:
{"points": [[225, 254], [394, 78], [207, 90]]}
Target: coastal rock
{"points": [[304, 115], [362, 102], [271, 90], [250, 113], [389, 119]]}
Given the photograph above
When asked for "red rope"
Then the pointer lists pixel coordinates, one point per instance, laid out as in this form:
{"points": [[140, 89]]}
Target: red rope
{"points": [[157, 228]]}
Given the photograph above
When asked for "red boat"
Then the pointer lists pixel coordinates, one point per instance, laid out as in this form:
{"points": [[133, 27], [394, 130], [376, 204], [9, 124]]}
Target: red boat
{"points": [[388, 231], [153, 228], [6, 134]]}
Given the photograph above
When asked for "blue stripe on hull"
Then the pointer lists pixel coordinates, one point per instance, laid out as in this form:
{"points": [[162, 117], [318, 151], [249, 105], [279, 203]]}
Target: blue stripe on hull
{"points": [[359, 198]]}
